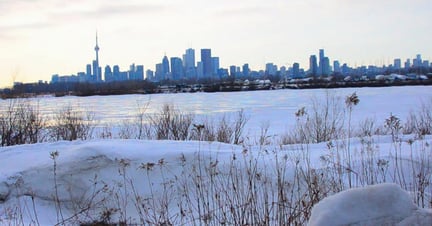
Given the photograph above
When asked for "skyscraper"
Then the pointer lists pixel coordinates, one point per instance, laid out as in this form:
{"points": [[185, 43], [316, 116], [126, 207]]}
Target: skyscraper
{"points": [[116, 73], [283, 72], [139, 73], [176, 68], [336, 66], [206, 60], [88, 70], [326, 66], [149, 75], [189, 59], [321, 62], [417, 62], [136, 72], [321, 54], [407, 64], [397, 64], [296, 70], [200, 70], [270, 69], [233, 70], [108, 74], [189, 63], [419, 59], [245, 70], [215, 65], [165, 67], [313, 66], [159, 75]]}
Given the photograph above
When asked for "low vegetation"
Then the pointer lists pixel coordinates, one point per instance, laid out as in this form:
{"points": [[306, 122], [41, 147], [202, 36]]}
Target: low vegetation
{"points": [[272, 182]]}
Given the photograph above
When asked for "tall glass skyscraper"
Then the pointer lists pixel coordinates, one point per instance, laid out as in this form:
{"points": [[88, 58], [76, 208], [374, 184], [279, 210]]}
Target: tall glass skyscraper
{"points": [[176, 68], [165, 67], [189, 59], [313, 66], [206, 60]]}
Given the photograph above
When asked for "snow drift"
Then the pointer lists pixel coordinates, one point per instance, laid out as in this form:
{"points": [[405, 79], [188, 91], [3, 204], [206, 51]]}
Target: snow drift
{"points": [[382, 204], [33, 184]]}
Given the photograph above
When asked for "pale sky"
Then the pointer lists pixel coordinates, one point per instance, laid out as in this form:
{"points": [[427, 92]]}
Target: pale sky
{"points": [[39, 38]]}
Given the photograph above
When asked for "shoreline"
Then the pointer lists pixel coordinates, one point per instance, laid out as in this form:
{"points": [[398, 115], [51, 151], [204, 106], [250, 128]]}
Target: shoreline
{"points": [[225, 87]]}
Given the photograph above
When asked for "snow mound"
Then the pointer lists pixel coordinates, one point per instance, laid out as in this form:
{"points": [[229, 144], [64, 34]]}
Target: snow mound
{"points": [[382, 204], [420, 217], [27, 170]]}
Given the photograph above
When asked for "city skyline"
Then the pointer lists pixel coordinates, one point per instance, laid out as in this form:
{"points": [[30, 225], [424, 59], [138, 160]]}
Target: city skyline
{"points": [[181, 69], [44, 37]]}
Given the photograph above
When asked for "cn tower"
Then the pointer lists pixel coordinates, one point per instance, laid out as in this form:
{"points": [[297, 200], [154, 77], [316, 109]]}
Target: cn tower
{"points": [[96, 71]]}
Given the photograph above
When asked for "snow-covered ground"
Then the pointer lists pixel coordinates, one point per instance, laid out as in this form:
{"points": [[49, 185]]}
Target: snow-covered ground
{"points": [[274, 106], [183, 182], [28, 181]]}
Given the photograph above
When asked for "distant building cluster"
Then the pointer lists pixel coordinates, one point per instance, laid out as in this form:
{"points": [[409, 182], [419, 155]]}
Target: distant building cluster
{"points": [[208, 67], [93, 73], [177, 68]]}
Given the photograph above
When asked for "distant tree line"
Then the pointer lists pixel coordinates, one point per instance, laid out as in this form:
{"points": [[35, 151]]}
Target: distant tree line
{"points": [[79, 89]]}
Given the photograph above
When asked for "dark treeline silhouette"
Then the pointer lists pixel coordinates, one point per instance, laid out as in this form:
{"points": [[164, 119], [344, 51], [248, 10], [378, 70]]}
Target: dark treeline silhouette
{"points": [[79, 89]]}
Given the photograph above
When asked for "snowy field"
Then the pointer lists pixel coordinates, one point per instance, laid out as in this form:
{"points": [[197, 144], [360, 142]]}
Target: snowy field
{"points": [[28, 183], [275, 106], [199, 182]]}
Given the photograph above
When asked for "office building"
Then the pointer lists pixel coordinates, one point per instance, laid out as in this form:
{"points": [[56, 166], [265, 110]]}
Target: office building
{"points": [[206, 60], [215, 65], [336, 67], [88, 70], [296, 70], [159, 73], [397, 64], [165, 67], [270, 69], [407, 64], [313, 65], [136, 72], [150, 75], [189, 59], [176, 68], [245, 70], [232, 70], [200, 70], [108, 76], [189, 64], [321, 62], [326, 66]]}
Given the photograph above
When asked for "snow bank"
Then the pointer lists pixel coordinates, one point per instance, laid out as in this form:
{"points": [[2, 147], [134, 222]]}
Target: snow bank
{"points": [[382, 204], [26, 172]]}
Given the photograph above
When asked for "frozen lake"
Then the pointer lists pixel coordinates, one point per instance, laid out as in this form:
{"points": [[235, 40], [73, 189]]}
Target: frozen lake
{"points": [[277, 107]]}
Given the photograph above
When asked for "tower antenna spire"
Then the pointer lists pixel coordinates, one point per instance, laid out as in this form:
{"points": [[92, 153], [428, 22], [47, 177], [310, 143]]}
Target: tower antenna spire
{"points": [[96, 71], [96, 38]]}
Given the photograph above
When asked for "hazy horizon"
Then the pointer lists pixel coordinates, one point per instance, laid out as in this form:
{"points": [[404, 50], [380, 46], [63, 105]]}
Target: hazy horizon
{"points": [[44, 37]]}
